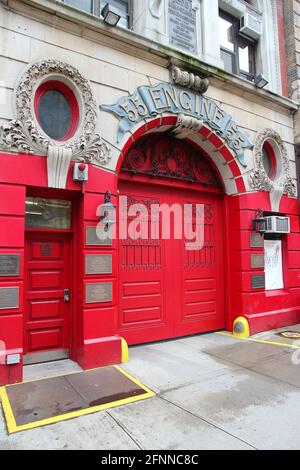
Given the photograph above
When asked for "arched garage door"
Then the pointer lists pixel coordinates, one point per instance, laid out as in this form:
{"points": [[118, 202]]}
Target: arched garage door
{"points": [[169, 287]]}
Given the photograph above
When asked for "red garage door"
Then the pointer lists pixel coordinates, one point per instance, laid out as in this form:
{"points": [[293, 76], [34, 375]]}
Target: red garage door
{"points": [[168, 289]]}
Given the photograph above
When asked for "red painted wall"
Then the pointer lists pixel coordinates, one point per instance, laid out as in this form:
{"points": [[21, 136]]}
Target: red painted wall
{"points": [[263, 309], [95, 342]]}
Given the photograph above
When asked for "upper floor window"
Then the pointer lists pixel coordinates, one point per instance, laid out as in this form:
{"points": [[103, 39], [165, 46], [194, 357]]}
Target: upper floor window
{"points": [[237, 51], [94, 7]]}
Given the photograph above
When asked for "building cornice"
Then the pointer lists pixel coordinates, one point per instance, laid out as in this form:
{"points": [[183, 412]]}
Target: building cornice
{"points": [[129, 42]]}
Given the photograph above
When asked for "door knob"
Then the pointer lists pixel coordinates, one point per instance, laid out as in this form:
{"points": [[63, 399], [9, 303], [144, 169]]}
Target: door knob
{"points": [[66, 295]]}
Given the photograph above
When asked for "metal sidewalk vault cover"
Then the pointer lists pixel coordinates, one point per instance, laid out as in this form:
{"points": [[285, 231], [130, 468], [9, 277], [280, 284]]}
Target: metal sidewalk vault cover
{"points": [[46, 401]]}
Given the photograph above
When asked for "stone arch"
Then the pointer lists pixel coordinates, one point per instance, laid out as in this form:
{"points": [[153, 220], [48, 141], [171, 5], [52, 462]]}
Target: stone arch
{"points": [[204, 138]]}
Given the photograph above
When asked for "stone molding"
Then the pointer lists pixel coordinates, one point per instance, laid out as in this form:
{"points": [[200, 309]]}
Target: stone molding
{"points": [[24, 134], [259, 180]]}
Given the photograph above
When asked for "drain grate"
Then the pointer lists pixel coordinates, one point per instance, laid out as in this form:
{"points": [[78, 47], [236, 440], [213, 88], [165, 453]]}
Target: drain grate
{"points": [[289, 334]]}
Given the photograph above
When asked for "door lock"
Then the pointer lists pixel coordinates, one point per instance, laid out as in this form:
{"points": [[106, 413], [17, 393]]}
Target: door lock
{"points": [[66, 295]]}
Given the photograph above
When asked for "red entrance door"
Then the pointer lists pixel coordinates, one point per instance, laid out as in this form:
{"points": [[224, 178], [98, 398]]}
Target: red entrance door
{"points": [[47, 305], [169, 288], [166, 289]]}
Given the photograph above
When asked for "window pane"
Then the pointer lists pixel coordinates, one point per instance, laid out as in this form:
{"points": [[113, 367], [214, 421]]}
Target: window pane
{"points": [[273, 264], [48, 213], [54, 114], [85, 5], [226, 29], [244, 59], [228, 61], [266, 161]]}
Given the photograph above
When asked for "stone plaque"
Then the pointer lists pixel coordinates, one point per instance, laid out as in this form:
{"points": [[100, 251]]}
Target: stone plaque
{"points": [[182, 25], [98, 293], [256, 240], [9, 297], [257, 261], [258, 281], [93, 240], [98, 264], [9, 265]]}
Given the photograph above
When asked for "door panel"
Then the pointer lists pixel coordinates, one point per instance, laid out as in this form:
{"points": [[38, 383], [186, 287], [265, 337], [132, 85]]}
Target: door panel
{"points": [[141, 267], [167, 290], [202, 272], [48, 274]]}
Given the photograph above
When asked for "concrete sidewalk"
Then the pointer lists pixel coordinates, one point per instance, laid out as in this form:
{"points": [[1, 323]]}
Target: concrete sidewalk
{"points": [[213, 392]]}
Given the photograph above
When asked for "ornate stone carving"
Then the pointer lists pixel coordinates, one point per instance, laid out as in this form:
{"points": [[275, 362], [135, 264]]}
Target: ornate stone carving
{"points": [[189, 80], [23, 137], [289, 187], [186, 125], [29, 81], [24, 134], [166, 157], [259, 179]]}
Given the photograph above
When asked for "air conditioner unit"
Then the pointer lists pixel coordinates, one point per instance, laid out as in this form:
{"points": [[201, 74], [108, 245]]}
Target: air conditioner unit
{"points": [[272, 224], [251, 26]]}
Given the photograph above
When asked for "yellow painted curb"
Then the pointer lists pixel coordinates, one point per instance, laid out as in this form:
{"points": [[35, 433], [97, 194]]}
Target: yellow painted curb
{"points": [[125, 353], [274, 343], [241, 328], [13, 427]]}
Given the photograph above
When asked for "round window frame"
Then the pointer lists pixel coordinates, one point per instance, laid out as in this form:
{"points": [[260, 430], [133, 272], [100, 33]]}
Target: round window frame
{"points": [[69, 95], [258, 178]]}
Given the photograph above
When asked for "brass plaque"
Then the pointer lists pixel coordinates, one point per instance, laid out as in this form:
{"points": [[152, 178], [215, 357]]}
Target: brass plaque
{"points": [[98, 293], [93, 240], [258, 281], [9, 297], [98, 264], [9, 265], [257, 261], [256, 240]]}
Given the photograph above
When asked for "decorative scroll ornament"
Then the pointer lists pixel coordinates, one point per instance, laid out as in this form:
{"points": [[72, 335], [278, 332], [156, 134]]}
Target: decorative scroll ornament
{"points": [[24, 133], [167, 157], [189, 80], [259, 179], [150, 101], [185, 126]]}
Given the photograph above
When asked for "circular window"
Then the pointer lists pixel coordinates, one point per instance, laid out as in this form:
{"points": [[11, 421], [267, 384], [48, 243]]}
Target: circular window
{"points": [[269, 160], [57, 110]]}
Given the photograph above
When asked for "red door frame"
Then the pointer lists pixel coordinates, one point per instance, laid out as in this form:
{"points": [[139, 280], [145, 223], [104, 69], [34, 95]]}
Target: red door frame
{"points": [[39, 235], [76, 255]]}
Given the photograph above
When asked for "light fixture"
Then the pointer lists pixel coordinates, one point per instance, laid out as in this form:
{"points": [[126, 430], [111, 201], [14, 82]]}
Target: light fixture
{"points": [[260, 81], [110, 15], [108, 211], [259, 223]]}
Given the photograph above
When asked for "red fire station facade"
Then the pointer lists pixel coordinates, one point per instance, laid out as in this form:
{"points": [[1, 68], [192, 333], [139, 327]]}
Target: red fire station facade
{"points": [[65, 291]]}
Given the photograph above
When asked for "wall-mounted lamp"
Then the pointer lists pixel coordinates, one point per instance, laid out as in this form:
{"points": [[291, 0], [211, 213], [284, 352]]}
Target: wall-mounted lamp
{"points": [[260, 81], [108, 211], [110, 15], [259, 223]]}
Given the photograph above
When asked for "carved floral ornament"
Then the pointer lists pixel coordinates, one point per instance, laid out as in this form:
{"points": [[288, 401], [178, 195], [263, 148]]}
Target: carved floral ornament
{"points": [[24, 134], [259, 179]]}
